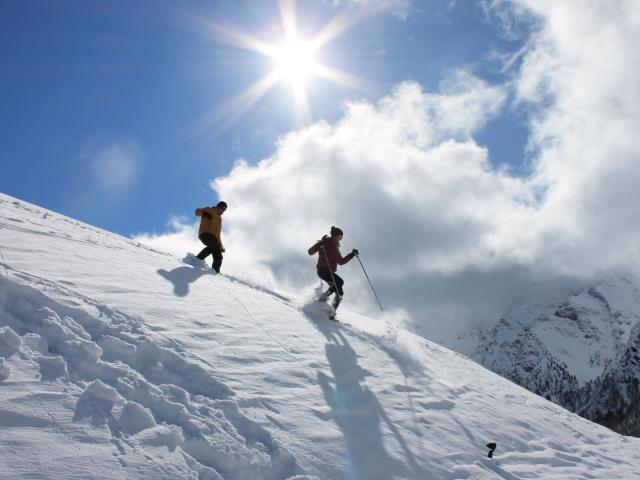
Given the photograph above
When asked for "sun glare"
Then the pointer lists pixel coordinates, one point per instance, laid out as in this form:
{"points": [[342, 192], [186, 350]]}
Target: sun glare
{"points": [[294, 62]]}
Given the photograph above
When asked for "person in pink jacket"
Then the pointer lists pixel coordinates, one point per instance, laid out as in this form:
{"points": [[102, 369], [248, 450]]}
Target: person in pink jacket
{"points": [[329, 258]]}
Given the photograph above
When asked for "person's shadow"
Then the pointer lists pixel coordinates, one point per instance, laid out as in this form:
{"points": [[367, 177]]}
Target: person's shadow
{"points": [[358, 413], [182, 277]]}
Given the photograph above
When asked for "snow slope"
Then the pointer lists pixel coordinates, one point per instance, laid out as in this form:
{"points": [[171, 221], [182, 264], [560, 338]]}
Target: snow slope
{"points": [[122, 362]]}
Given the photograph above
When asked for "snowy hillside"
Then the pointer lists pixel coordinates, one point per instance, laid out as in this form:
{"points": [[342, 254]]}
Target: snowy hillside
{"points": [[582, 352], [121, 362]]}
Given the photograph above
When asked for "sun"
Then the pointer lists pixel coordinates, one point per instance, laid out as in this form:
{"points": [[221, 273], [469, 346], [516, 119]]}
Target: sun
{"points": [[294, 62], [293, 59]]}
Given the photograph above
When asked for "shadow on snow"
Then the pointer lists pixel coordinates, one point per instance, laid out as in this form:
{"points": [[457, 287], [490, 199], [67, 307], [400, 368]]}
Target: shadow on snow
{"points": [[182, 277], [356, 410]]}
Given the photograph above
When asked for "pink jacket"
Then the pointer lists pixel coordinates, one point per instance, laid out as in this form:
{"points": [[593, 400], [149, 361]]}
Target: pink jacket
{"points": [[330, 253]]}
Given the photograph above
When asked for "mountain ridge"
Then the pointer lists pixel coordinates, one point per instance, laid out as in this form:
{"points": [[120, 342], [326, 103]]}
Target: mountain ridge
{"points": [[580, 352]]}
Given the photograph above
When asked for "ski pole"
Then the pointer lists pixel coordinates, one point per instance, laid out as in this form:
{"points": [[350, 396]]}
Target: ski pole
{"points": [[370, 284], [326, 257]]}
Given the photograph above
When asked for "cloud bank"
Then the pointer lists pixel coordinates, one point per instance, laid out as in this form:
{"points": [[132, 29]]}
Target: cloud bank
{"points": [[449, 238], [581, 77]]}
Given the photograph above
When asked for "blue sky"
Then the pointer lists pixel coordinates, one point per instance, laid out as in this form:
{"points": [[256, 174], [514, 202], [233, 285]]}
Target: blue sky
{"points": [[88, 82]]}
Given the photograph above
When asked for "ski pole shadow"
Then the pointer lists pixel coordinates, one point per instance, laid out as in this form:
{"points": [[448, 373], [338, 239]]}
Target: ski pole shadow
{"points": [[258, 287], [359, 415], [182, 277]]}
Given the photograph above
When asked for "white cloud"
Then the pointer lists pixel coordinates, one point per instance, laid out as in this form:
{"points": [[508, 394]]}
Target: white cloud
{"points": [[443, 233], [581, 75], [404, 180], [181, 238]]}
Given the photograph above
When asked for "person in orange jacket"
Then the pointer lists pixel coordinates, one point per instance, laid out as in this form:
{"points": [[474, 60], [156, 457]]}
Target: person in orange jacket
{"points": [[209, 233], [328, 260]]}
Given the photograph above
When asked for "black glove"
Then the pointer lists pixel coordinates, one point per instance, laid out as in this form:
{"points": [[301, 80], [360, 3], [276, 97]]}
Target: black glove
{"points": [[354, 252], [206, 215]]}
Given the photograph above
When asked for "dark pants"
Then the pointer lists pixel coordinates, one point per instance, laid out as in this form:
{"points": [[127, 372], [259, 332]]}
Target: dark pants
{"points": [[325, 274], [214, 248]]}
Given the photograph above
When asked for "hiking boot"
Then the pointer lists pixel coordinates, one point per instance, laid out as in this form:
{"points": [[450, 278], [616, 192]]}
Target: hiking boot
{"points": [[336, 301]]}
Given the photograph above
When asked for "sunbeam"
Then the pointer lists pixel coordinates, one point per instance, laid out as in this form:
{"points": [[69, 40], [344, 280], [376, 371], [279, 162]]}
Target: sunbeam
{"points": [[293, 58], [233, 109]]}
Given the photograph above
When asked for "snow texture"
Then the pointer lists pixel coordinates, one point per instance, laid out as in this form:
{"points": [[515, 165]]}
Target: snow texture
{"points": [[127, 363], [10, 342]]}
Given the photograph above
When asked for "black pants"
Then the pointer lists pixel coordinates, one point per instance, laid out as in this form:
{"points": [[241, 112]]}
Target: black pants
{"points": [[325, 274], [214, 248]]}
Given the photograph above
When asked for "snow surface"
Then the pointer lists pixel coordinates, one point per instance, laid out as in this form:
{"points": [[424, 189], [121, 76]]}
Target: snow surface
{"points": [[126, 363]]}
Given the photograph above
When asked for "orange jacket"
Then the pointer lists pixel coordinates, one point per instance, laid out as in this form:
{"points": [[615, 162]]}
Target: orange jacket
{"points": [[211, 223]]}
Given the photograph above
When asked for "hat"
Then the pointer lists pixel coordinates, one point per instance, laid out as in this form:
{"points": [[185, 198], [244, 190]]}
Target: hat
{"points": [[335, 231], [222, 204]]}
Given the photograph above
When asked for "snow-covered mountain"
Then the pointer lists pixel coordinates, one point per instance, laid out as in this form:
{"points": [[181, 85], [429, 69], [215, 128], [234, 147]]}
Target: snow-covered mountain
{"points": [[582, 352], [121, 362]]}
